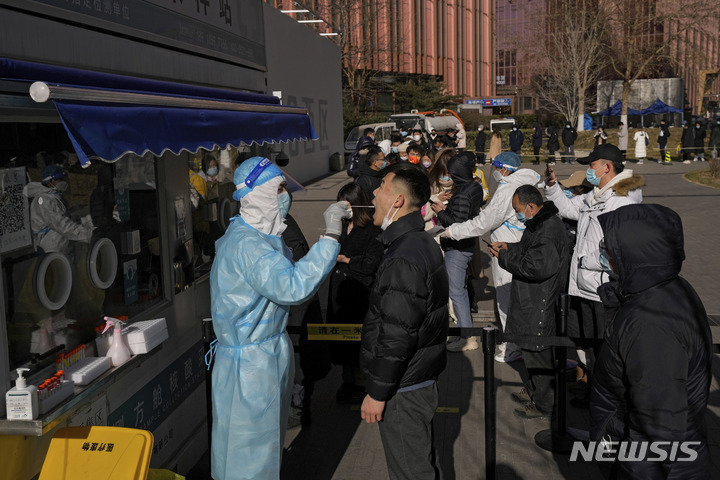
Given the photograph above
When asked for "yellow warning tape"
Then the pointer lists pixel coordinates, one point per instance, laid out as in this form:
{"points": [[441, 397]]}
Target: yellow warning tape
{"points": [[334, 331]]}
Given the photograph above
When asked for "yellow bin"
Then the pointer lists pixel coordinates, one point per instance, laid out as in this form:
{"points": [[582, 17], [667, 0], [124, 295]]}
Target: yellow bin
{"points": [[100, 453]]}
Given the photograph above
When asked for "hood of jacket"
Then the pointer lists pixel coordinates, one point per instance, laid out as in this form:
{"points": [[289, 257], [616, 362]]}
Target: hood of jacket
{"points": [[645, 243], [548, 210], [524, 176], [364, 142], [626, 185], [35, 189], [460, 167]]}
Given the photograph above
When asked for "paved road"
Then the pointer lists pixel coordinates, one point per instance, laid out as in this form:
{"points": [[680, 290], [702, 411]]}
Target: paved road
{"points": [[339, 446]]}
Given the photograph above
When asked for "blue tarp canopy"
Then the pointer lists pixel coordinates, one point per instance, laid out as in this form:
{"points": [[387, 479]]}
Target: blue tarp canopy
{"points": [[660, 107], [616, 109], [107, 129]]}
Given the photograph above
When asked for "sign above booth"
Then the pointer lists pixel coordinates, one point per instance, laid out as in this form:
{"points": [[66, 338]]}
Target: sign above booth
{"points": [[225, 29]]}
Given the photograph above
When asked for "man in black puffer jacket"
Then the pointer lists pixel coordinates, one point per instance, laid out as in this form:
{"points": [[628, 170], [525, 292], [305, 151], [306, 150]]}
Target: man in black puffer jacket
{"points": [[652, 377], [539, 266], [465, 204], [402, 351]]}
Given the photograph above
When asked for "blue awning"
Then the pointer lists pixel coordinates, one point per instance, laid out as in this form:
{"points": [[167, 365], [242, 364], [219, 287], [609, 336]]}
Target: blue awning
{"points": [[660, 107], [616, 110], [108, 116]]}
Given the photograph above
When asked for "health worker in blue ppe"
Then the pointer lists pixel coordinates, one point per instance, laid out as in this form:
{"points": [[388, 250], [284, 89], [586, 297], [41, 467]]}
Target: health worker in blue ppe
{"points": [[253, 282]]}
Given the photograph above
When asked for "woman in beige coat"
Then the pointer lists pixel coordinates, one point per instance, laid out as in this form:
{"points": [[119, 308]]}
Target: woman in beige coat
{"points": [[495, 145]]}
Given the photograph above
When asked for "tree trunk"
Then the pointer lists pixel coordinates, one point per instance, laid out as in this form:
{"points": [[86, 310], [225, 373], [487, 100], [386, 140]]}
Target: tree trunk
{"points": [[625, 100]]}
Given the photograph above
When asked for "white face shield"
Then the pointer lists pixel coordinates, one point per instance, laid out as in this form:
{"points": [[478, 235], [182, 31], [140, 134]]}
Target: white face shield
{"points": [[259, 208]]}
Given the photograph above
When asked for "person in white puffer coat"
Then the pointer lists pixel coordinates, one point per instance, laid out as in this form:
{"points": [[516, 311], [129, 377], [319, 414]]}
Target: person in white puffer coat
{"points": [[641, 141], [614, 187], [498, 217]]}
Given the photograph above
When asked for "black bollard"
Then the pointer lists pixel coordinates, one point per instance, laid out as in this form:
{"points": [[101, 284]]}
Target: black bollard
{"points": [[558, 441], [489, 335]]}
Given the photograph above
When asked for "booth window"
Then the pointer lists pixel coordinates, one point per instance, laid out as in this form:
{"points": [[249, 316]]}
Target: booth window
{"points": [[76, 251]]}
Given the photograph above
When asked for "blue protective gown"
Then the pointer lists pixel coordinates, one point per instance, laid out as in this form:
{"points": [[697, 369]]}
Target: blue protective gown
{"points": [[253, 281]]}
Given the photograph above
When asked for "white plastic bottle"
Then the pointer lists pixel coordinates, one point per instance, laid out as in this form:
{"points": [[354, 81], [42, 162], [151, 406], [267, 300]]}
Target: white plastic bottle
{"points": [[21, 401], [119, 352]]}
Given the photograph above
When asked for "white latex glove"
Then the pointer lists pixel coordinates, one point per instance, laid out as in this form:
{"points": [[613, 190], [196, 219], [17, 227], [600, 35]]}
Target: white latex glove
{"points": [[333, 217]]}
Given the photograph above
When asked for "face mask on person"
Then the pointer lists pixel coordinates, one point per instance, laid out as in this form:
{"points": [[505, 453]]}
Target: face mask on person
{"points": [[497, 175], [427, 164], [592, 177], [404, 134], [514, 129], [417, 138], [403, 159], [605, 263], [284, 202], [394, 149], [521, 216], [445, 178], [212, 171], [384, 164], [568, 193], [414, 159], [388, 220]]}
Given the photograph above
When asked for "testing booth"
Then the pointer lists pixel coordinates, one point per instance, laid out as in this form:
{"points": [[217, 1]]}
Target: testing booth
{"points": [[131, 98]]}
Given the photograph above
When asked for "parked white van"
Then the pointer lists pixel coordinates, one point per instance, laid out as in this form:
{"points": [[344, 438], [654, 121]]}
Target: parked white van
{"points": [[502, 123], [382, 132]]}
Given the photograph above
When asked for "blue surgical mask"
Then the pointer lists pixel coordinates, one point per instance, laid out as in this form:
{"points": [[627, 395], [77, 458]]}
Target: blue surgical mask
{"points": [[592, 178], [212, 171], [384, 164], [445, 178], [521, 216], [605, 263], [568, 193], [394, 149], [284, 202]]}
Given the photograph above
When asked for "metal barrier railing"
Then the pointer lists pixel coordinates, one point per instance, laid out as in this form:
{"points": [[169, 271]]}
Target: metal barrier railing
{"points": [[555, 439]]}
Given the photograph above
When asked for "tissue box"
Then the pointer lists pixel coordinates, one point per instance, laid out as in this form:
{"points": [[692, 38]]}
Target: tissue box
{"points": [[130, 242]]}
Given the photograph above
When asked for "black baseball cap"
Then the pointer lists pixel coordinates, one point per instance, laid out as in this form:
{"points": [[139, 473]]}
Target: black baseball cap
{"points": [[608, 152]]}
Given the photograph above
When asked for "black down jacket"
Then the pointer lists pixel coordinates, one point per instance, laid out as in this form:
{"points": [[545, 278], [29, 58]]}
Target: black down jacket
{"points": [[369, 179], [404, 332], [466, 202], [539, 263], [652, 376], [569, 135]]}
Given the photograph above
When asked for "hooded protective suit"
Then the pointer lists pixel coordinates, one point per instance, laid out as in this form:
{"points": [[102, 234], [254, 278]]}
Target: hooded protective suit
{"points": [[253, 282], [52, 229], [653, 375]]}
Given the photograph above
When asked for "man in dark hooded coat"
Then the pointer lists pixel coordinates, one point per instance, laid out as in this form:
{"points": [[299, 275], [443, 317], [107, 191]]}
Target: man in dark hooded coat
{"points": [[652, 376]]}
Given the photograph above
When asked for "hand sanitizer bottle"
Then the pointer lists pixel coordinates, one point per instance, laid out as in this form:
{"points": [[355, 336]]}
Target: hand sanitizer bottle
{"points": [[21, 401], [118, 352]]}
